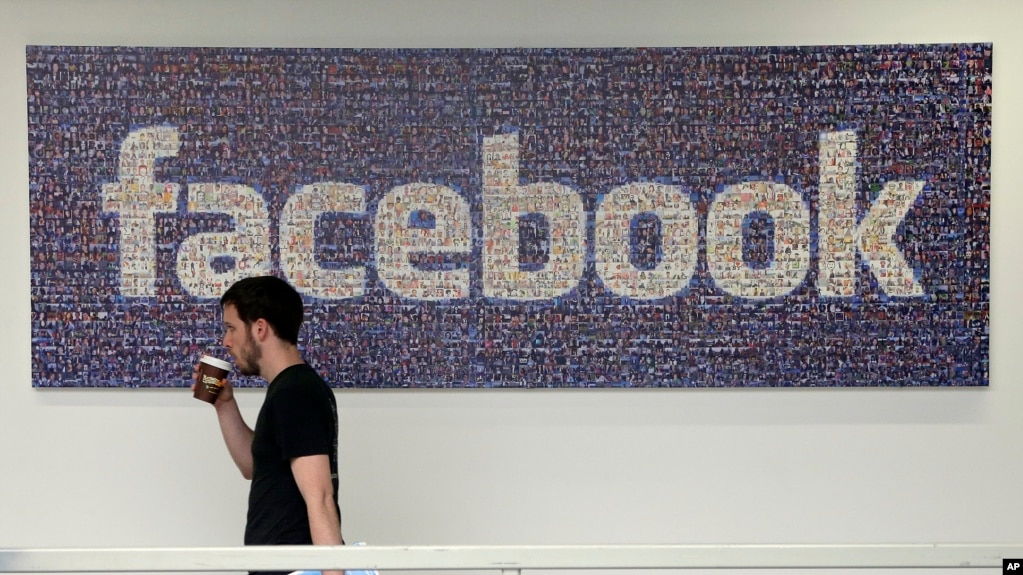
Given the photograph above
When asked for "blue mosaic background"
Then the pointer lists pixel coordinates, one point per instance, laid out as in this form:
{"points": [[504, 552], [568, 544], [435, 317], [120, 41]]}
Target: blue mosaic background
{"points": [[701, 119]]}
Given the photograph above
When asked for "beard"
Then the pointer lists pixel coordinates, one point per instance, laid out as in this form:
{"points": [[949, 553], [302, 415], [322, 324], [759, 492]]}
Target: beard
{"points": [[248, 356]]}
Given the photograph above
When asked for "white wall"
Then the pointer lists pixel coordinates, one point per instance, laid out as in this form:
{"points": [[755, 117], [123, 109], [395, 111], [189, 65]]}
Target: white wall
{"points": [[147, 467]]}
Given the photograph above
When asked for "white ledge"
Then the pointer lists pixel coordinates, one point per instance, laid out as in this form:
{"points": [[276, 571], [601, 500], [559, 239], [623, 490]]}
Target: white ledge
{"points": [[508, 558]]}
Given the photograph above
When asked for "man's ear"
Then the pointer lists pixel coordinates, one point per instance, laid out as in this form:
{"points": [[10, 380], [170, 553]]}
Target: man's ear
{"points": [[260, 330]]}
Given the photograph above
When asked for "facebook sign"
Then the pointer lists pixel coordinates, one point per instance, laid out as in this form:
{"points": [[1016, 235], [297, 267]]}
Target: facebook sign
{"points": [[613, 217]]}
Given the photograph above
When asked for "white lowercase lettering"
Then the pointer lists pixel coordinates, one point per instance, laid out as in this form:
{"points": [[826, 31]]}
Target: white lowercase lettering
{"points": [[136, 198]]}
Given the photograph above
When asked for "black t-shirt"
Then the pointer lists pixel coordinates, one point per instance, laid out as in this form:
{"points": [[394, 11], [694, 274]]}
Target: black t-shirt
{"points": [[298, 418]]}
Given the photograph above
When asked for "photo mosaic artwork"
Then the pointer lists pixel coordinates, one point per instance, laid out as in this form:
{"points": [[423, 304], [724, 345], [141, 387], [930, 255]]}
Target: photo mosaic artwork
{"points": [[528, 218]]}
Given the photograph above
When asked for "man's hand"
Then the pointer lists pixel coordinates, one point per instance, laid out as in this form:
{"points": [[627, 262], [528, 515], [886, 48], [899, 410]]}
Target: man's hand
{"points": [[226, 389]]}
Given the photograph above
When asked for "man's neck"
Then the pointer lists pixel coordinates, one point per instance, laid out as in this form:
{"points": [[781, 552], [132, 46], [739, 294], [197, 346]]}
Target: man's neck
{"points": [[273, 366]]}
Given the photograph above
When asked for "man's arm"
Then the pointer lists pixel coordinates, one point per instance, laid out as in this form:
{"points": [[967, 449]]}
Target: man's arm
{"points": [[237, 435], [312, 474]]}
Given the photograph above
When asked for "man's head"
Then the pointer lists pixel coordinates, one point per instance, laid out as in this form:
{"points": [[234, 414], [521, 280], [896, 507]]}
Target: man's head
{"points": [[257, 311], [270, 299]]}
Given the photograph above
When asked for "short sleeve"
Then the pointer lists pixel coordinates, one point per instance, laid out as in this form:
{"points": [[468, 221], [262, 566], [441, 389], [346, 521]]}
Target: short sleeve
{"points": [[304, 423]]}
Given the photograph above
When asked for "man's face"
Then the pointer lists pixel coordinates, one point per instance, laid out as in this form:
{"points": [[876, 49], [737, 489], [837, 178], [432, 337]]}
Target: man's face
{"points": [[240, 344]]}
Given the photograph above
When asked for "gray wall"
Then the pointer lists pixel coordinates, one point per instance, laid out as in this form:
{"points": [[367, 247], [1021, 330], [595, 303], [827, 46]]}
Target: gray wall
{"points": [[147, 467]]}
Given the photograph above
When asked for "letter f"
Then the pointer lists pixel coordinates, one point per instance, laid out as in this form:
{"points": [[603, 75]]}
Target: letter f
{"points": [[137, 198]]}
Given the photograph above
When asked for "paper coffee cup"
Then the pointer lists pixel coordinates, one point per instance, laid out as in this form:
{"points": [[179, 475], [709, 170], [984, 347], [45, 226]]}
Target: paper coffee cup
{"points": [[207, 383]]}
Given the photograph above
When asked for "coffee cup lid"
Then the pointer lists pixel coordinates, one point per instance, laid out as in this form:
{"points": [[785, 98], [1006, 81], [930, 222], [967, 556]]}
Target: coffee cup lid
{"points": [[210, 360]]}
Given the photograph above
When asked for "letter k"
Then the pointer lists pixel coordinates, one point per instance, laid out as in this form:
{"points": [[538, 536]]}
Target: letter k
{"points": [[839, 236]]}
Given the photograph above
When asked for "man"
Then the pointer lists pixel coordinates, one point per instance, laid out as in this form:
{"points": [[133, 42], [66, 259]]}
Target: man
{"points": [[291, 455]]}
